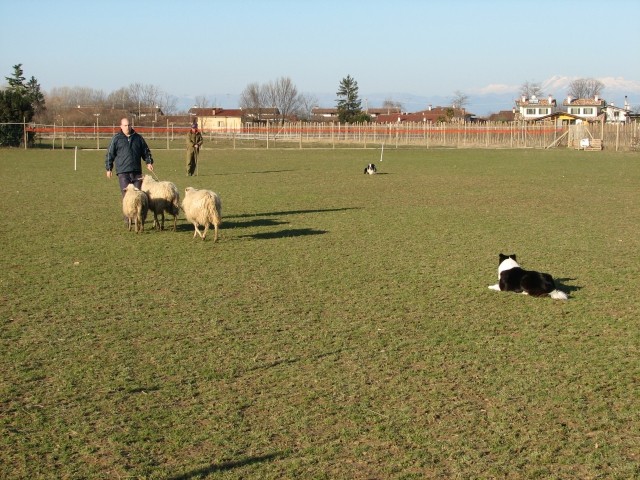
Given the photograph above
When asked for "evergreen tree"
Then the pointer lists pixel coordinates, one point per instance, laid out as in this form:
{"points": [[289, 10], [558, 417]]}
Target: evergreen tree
{"points": [[348, 103], [18, 103], [13, 109], [16, 82], [35, 97]]}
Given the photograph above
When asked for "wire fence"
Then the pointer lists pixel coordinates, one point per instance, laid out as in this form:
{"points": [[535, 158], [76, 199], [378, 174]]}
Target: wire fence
{"points": [[618, 137]]}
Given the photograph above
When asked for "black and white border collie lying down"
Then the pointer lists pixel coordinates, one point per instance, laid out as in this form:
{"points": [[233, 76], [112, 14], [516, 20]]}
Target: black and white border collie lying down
{"points": [[370, 169], [512, 278]]}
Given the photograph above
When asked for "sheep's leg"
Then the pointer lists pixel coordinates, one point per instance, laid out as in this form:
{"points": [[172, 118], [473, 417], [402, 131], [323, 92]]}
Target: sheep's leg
{"points": [[174, 223], [141, 224], [206, 229], [215, 234], [128, 224], [162, 215], [197, 230], [155, 221]]}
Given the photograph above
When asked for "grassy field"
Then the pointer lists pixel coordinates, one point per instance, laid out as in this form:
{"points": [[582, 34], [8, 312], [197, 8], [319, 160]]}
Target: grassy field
{"points": [[341, 328]]}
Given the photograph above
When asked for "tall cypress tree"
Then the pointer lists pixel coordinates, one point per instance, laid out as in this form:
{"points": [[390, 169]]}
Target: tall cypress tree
{"points": [[348, 103]]}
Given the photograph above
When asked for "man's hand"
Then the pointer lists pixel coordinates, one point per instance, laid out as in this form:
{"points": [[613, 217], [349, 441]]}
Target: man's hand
{"points": [[108, 173], [150, 167]]}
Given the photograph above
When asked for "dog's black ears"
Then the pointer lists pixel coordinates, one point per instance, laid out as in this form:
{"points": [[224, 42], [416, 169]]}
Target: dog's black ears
{"points": [[502, 257]]}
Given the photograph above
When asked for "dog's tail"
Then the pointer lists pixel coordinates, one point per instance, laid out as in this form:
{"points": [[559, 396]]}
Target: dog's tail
{"points": [[558, 295]]}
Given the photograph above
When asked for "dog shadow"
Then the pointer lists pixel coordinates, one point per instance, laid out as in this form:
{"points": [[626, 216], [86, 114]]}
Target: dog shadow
{"points": [[562, 285]]}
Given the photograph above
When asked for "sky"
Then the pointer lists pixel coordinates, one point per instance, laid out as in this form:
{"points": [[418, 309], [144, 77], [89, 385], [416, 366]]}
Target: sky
{"points": [[401, 50]]}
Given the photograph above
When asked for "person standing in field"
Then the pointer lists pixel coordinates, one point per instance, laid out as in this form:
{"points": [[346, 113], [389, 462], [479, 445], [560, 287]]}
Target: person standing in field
{"points": [[194, 141], [126, 151]]}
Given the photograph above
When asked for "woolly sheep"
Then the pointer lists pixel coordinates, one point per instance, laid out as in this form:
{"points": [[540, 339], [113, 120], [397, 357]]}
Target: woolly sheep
{"points": [[202, 207], [163, 197], [135, 206]]}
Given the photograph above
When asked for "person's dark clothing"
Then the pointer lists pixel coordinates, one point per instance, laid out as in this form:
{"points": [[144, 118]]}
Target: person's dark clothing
{"points": [[127, 153], [125, 179]]}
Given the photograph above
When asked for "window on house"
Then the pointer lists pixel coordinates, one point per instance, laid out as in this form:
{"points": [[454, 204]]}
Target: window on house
{"points": [[588, 111], [574, 111], [530, 111], [544, 111]]}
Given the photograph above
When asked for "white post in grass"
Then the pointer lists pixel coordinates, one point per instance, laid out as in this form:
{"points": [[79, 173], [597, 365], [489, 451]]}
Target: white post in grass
{"points": [[75, 159]]}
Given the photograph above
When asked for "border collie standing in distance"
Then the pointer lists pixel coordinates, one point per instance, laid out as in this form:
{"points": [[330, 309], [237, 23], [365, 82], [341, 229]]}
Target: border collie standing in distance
{"points": [[370, 169], [512, 278]]}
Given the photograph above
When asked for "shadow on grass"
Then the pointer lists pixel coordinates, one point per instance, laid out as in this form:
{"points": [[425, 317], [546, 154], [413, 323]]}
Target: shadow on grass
{"points": [[293, 212], [561, 285], [224, 466], [258, 222], [250, 173], [292, 232]]}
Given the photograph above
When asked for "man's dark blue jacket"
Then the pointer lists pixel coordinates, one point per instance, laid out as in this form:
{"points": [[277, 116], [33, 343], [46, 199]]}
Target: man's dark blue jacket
{"points": [[127, 153]]}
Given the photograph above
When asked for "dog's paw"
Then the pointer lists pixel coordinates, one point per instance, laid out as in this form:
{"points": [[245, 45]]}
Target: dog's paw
{"points": [[494, 287]]}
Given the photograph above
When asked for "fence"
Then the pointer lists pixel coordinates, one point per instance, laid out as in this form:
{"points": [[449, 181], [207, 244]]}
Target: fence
{"points": [[618, 137]]}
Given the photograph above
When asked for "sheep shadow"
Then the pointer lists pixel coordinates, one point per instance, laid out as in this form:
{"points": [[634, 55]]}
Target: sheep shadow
{"points": [[292, 212], [258, 222], [286, 233], [226, 466]]}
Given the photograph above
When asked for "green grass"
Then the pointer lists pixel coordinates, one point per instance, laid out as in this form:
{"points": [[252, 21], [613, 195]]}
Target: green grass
{"points": [[340, 328]]}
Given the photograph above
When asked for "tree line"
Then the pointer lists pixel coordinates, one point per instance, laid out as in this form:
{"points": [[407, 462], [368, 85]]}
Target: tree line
{"points": [[22, 100]]}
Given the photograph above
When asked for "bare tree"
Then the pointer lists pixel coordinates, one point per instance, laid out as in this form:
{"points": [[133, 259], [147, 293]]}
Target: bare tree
{"points": [[202, 101], [531, 89], [253, 99], [120, 98], [168, 103], [459, 99], [306, 104], [392, 105], [283, 95], [585, 88]]}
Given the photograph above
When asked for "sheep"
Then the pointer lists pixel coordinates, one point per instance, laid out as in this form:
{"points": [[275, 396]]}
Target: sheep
{"points": [[163, 197], [202, 207], [135, 206]]}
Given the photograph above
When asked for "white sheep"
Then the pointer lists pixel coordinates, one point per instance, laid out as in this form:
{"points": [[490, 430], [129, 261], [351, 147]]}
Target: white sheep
{"points": [[135, 206], [163, 197], [202, 207]]}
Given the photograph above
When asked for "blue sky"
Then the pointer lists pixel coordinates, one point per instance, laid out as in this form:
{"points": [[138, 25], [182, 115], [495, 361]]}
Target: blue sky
{"points": [[393, 49]]}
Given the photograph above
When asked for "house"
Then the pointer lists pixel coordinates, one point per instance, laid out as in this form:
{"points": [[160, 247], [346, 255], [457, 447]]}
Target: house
{"points": [[532, 108], [617, 114], [324, 114], [430, 115], [331, 114], [503, 116], [587, 108], [563, 118], [216, 119]]}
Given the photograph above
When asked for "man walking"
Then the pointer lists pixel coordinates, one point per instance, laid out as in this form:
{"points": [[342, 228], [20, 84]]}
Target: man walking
{"points": [[127, 150]]}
